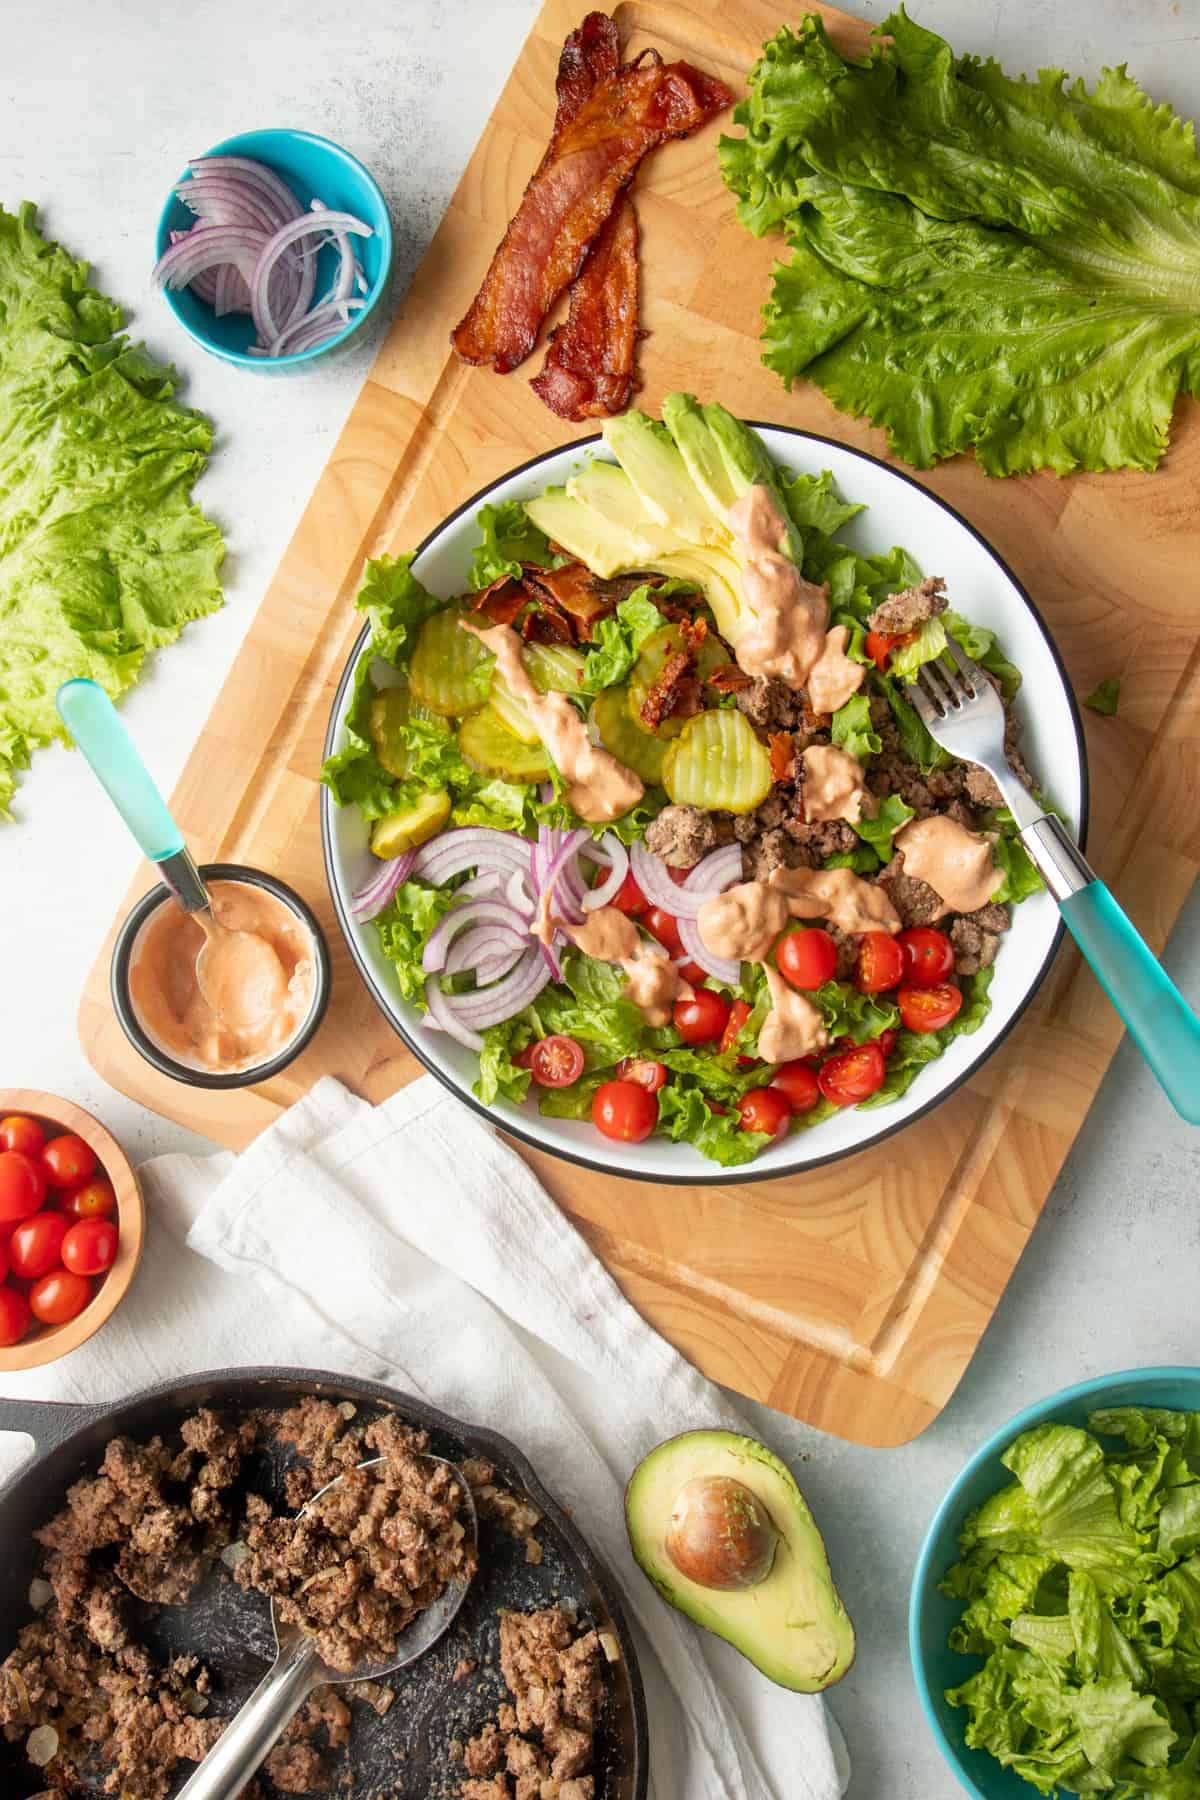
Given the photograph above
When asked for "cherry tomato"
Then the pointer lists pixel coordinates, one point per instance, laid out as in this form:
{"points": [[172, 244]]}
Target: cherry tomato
{"points": [[650, 1075], [765, 1109], [887, 1040], [693, 974], [67, 1160], [703, 1018], [797, 1082], [880, 963], [59, 1296], [630, 899], [556, 1061], [14, 1315], [806, 959], [34, 1247], [95, 1199], [852, 1076], [928, 955], [625, 1110], [18, 1132], [880, 644], [3, 1261], [22, 1185], [929, 1008], [524, 1058], [665, 927], [739, 1012], [90, 1246]]}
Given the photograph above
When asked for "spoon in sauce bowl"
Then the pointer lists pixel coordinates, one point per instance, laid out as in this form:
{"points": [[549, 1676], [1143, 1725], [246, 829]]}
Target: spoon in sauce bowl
{"points": [[238, 973]]}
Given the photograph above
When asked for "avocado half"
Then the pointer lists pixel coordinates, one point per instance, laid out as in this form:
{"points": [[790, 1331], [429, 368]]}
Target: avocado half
{"points": [[791, 1624]]}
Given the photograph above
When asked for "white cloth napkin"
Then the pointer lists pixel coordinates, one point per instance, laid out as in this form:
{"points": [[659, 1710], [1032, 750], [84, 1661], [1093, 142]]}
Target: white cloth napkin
{"points": [[406, 1244]]}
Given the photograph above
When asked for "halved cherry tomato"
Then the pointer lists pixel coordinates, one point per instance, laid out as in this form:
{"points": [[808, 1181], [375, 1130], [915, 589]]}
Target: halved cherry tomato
{"points": [[625, 1110], [4, 1260], [629, 898], [928, 955], [852, 1076], [739, 1012], [797, 1082], [880, 644], [14, 1315], [806, 959], [18, 1132], [90, 1245], [665, 927], [693, 974], [703, 1018], [35, 1246], [880, 963], [887, 1040], [95, 1199], [22, 1185], [765, 1109], [67, 1160], [650, 1075], [556, 1061], [929, 1008], [59, 1296]]}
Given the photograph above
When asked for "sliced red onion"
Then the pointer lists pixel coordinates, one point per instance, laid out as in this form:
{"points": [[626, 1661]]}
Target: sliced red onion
{"points": [[463, 1014], [260, 307], [221, 200], [556, 884], [652, 876], [481, 886], [487, 951], [475, 912], [721, 968], [516, 892], [471, 847], [254, 175], [606, 890], [206, 247], [717, 871], [371, 899], [442, 1017], [550, 958]]}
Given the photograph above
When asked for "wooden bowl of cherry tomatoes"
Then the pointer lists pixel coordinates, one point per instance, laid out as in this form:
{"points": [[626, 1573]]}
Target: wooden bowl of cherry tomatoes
{"points": [[72, 1221]]}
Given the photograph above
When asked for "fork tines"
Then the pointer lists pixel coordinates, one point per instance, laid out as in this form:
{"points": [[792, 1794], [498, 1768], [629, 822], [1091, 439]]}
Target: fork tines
{"points": [[939, 690]]}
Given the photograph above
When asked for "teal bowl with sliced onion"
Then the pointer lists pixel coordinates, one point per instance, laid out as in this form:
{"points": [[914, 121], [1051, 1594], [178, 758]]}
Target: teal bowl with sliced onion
{"points": [[318, 287]]}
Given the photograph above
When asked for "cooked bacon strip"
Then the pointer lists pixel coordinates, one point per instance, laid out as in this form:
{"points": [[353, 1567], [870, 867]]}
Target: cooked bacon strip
{"points": [[589, 367], [547, 624], [728, 679], [500, 601], [573, 589], [592, 157], [592, 52], [783, 756]]}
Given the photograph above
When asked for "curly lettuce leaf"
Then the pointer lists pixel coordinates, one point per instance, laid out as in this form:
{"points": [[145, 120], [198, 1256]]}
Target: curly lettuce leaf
{"points": [[1021, 878], [976, 259], [930, 641], [914, 1049], [404, 925], [852, 730], [103, 558], [980, 644], [1105, 698], [508, 538], [618, 639], [815, 504], [686, 1117], [879, 831]]}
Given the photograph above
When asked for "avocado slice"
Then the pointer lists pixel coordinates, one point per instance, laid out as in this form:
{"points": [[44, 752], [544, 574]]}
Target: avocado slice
{"points": [[648, 454], [748, 465], [581, 531], [684, 419], [784, 1614]]}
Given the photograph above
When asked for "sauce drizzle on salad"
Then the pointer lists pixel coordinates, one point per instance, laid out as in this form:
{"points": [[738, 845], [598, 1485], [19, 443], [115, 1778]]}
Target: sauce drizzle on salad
{"points": [[834, 787], [654, 982], [840, 897], [598, 786], [793, 1027], [956, 863]]}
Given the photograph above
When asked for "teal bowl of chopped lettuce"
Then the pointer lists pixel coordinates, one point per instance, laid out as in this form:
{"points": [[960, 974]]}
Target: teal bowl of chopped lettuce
{"points": [[1054, 1619]]}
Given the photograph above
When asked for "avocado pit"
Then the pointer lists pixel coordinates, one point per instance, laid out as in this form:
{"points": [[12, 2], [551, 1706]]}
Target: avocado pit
{"points": [[720, 1534]]}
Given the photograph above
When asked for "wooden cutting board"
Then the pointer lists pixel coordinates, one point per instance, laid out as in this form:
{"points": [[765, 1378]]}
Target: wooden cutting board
{"points": [[854, 1296]]}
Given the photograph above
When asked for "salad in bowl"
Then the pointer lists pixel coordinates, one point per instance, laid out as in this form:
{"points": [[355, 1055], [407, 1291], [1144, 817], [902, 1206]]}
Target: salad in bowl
{"points": [[632, 827]]}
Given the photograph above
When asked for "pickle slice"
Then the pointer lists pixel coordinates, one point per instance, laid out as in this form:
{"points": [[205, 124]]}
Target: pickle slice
{"points": [[450, 672], [391, 711], [491, 747], [512, 713], [652, 660], [718, 763], [404, 830], [613, 724], [555, 668]]}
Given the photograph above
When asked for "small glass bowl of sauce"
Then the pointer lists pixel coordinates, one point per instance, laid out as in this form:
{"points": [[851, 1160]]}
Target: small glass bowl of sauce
{"points": [[164, 1012]]}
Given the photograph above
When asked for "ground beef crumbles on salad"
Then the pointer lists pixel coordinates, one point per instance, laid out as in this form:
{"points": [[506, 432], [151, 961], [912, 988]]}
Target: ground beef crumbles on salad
{"points": [[660, 836]]}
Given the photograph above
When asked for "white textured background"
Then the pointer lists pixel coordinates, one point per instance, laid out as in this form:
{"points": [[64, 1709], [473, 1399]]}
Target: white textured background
{"points": [[100, 105]]}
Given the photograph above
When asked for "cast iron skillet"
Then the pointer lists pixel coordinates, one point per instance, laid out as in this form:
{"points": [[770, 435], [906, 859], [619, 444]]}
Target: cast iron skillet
{"points": [[407, 1753]]}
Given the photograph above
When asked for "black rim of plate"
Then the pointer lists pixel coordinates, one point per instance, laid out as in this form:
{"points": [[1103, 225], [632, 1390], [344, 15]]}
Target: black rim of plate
{"points": [[751, 1171]]}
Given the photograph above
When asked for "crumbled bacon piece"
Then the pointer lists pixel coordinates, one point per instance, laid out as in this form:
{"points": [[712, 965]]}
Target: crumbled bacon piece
{"points": [[728, 679], [572, 590], [676, 692], [500, 601], [782, 746]]}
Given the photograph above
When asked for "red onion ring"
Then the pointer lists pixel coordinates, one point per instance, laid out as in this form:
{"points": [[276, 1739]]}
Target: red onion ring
{"points": [[475, 912], [606, 890], [371, 899]]}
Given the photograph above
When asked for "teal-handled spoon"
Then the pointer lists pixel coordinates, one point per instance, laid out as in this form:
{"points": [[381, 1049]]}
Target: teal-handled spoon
{"points": [[93, 721]]}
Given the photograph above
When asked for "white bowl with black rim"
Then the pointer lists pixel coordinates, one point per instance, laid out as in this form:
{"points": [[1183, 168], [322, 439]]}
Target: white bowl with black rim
{"points": [[982, 588]]}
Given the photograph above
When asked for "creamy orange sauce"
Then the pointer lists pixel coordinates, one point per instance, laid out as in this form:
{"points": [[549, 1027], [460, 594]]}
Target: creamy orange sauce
{"points": [[744, 921], [956, 863], [834, 787], [654, 982], [793, 1027], [787, 635], [840, 897], [251, 993], [598, 786], [833, 678]]}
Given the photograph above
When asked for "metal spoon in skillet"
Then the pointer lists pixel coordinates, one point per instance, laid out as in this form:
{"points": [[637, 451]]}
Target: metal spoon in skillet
{"points": [[254, 1731]]}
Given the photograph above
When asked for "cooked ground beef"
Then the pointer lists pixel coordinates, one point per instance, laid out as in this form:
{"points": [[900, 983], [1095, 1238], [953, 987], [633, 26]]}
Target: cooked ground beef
{"points": [[914, 900], [771, 705], [908, 610], [541, 1743], [682, 835], [976, 938]]}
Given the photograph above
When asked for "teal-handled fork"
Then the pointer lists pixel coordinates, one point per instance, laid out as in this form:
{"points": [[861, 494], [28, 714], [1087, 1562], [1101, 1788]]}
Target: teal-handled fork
{"points": [[964, 714]]}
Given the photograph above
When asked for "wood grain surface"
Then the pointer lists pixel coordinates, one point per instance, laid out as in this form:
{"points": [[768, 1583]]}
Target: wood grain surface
{"points": [[853, 1296]]}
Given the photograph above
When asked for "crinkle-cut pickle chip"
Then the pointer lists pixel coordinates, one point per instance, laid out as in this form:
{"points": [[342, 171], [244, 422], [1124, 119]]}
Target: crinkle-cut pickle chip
{"points": [[614, 725], [652, 660], [391, 710], [490, 747], [450, 671], [410, 825], [717, 762], [553, 668]]}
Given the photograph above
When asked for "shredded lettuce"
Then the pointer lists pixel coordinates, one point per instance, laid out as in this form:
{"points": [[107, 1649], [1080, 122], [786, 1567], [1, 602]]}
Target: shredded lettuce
{"points": [[915, 1049], [1106, 697], [878, 832], [103, 558], [508, 538], [852, 730], [976, 259], [618, 639], [403, 927], [929, 642]]}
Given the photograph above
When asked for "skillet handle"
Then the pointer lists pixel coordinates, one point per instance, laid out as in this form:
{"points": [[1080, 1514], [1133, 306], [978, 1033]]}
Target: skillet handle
{"points": [[48, 1422]]}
